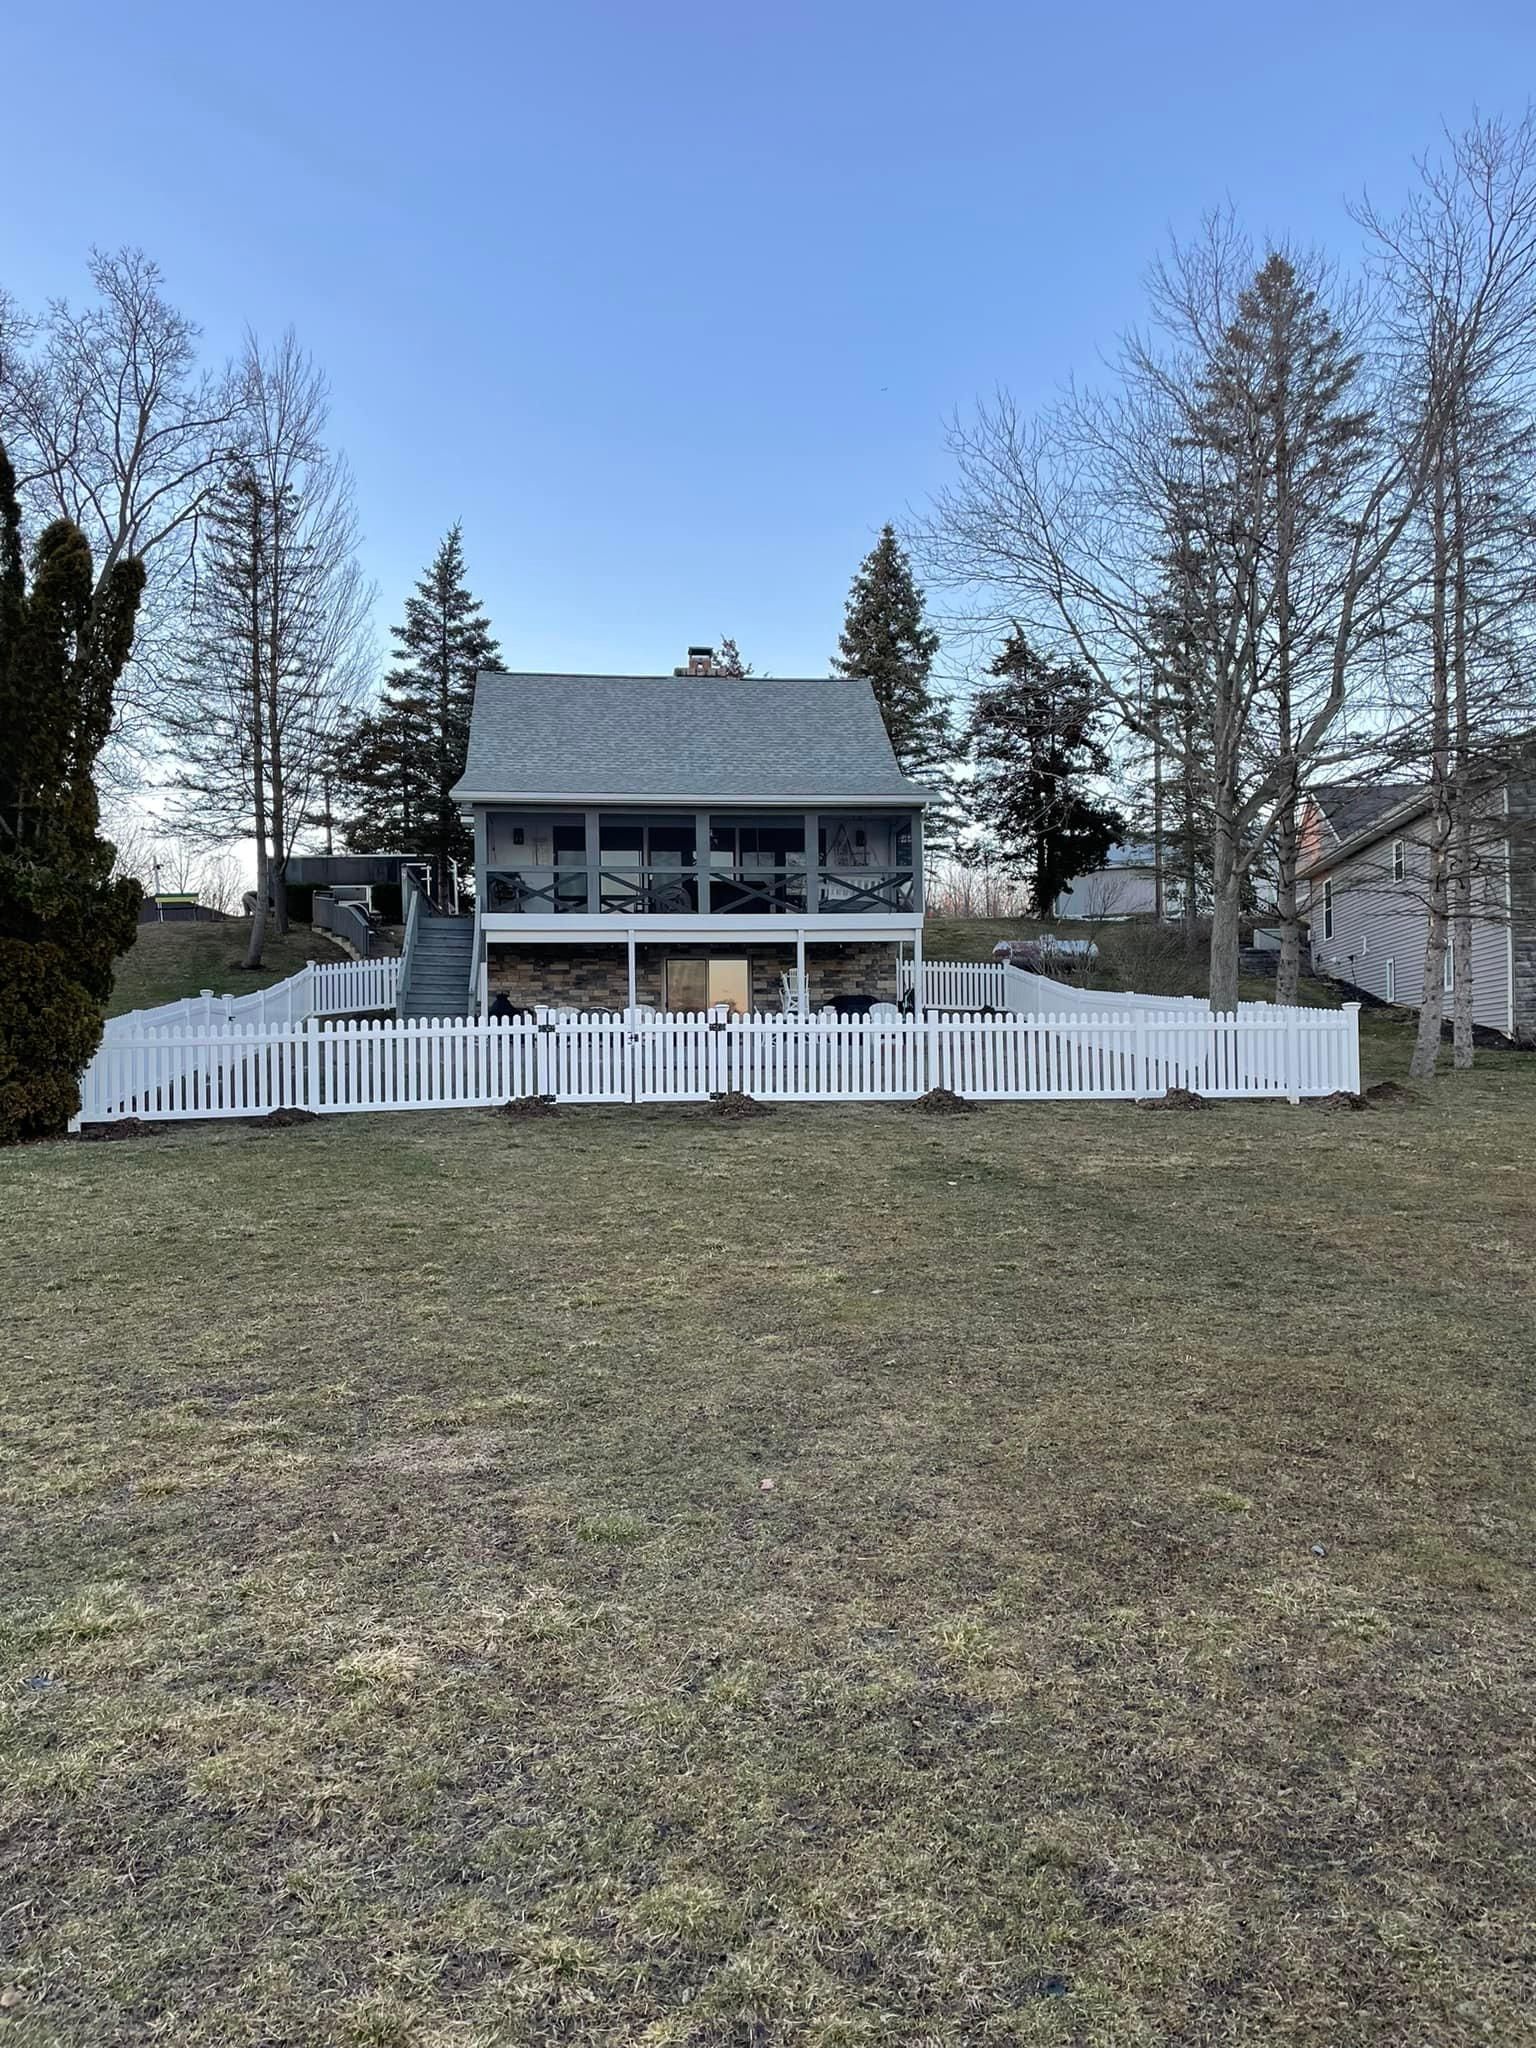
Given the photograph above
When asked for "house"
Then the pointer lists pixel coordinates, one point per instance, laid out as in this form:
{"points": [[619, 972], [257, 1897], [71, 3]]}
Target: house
{"points": [[678, 842], [1363, 877], [177, 906], [373, 879], [1125, 886]]}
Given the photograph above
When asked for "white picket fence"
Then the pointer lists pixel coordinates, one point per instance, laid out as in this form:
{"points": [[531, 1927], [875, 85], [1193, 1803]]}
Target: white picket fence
{"points": [[999, 985], [642, 1056], [958, 984], [337, 988]]}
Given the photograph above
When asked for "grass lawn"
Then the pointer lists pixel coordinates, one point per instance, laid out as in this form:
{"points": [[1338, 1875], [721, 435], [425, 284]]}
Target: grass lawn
{"points": [[1061, 1575], [973, 938], [169, 961]]}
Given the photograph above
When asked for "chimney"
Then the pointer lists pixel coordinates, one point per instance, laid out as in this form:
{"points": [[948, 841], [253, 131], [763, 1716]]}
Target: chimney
{"points": [[701, 662]]}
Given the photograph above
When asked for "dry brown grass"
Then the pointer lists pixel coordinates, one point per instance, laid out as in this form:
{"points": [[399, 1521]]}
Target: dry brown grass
{"points": [[1053, 1576], [167, 962]]}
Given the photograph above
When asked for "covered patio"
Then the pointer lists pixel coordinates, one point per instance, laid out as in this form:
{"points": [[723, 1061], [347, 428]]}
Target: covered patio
{"points": [[672, 966]]}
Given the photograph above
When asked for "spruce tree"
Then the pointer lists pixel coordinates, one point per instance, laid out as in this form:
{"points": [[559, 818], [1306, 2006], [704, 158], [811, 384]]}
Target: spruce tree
{"points": [[411, 752], [1036, 742], [63, 919], [886, 640]]}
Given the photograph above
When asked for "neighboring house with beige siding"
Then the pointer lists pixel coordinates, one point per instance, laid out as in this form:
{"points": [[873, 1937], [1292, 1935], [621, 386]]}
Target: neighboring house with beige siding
{"points": [[1365, 881]]}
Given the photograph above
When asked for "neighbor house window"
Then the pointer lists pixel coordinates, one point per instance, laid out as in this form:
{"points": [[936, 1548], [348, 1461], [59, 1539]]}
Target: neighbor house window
{"points": [[1391, 981], [1397, 860], [1448, 971], [1327, 910]]}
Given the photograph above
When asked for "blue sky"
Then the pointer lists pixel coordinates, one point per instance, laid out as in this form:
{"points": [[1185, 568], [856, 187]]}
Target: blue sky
{"points": [[668, 302]]}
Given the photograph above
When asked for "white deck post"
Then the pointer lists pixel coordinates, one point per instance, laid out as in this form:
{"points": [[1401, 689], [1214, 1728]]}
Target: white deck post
{"points": [[631, 967], [917, 972], [805, 1006]]}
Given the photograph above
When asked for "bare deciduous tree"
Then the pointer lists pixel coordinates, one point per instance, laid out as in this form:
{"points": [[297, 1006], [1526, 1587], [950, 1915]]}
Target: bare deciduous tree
{"points": [[1295, 446], [113, 423], [281, 646], [1459, 264]]}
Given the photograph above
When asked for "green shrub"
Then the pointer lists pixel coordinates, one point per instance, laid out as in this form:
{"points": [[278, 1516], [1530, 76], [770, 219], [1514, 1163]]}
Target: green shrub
{"points": [[49, 1028]]}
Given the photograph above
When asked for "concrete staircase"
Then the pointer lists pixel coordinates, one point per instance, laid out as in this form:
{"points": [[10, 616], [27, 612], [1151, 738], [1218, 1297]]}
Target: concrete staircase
{"points": [[437, 967]]}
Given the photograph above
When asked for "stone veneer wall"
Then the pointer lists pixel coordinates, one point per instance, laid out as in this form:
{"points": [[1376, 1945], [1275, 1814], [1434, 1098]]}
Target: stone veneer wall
{"points": [[1522, 900], [597, 977]]}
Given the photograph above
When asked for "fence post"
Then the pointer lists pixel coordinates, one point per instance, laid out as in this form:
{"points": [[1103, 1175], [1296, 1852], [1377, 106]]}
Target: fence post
{"points": [[311, 1064], [1293, 1052], [1352, 1050], [1141, 1080]]}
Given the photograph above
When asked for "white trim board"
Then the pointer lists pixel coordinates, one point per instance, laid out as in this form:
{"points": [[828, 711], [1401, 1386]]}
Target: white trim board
{"points": [[578, 930]]}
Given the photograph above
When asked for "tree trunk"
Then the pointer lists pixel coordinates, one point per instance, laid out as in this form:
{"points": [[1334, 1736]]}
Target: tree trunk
{"points": [[1190, 829], [1462, 1046], [1288, 971], [1426, 1049], [279, 874], [1462, 1051], [1226, 906], [258, 938]]}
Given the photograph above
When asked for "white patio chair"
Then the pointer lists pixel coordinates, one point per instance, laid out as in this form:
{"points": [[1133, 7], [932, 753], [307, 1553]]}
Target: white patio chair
{"points": [[790, 992]]}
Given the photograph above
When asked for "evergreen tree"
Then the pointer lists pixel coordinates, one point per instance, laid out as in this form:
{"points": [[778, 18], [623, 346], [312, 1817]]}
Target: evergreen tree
{"points": [[1035, 739], [63, 919], [411, 752], [1170, 798], [886, 640]]}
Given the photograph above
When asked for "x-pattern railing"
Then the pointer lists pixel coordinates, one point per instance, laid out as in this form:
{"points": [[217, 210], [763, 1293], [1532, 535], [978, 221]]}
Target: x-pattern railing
{"points": [[869, 889], [565, 890]]}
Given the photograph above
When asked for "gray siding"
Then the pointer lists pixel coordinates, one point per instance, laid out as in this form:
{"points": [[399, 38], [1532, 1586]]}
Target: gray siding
{"points": [[1111, 892], [1377, 919]]}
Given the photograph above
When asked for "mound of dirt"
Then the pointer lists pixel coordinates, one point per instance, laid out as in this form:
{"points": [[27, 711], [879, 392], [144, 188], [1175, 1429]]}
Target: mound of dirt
{"points": [[1176, 1098], [280, 1119], [1384, 1095], [732, 1103], [125, 1127], [944, 1102], [529, 1105]]}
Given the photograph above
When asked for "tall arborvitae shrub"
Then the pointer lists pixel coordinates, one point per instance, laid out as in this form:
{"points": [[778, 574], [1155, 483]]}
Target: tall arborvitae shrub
{"points": [[64, 920]]}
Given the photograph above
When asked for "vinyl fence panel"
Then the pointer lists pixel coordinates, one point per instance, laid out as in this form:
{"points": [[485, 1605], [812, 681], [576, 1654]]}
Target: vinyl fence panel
{"points": [[460, 1062]]}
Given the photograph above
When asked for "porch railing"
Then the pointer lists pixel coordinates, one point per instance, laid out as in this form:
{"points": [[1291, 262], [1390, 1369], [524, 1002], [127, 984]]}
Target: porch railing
{"points": [[749, 891], [537, 891], [872, 890]]}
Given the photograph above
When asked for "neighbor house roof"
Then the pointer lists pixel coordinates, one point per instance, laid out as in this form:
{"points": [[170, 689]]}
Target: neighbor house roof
{"points": [[678, 738], [1350, 807], [1354, 814]]}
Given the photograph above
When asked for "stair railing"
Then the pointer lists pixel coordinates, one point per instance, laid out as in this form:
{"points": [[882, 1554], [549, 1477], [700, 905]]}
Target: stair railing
{"points": [[472, 1005], [415, 896]]}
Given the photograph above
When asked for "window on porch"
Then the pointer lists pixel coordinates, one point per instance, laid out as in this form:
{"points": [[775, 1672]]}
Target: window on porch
{"points": [[756, 865], [535, 861], [866, 862], [647, 865]]}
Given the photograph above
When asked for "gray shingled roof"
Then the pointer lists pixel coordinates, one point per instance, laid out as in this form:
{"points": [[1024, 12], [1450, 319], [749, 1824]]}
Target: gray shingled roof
{"points": [[651, 737], [1351, 807]]}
